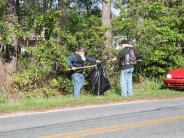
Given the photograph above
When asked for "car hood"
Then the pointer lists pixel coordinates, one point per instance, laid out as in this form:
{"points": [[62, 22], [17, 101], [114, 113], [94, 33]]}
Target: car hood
{"points": [[177, 73]]}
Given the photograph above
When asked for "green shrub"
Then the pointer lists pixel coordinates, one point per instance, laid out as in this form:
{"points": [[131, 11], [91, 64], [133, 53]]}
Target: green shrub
{"points": [[47, 69], [157, 32]]}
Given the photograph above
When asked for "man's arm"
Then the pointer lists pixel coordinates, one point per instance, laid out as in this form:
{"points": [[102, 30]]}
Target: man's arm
{"points": [[113, 59], [118, 57], [70, 61], [92, 59]]}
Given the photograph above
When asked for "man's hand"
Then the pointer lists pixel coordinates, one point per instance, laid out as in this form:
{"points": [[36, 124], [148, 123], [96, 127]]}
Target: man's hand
{"points": [[111, 60], [74, 68], [98, 61]]}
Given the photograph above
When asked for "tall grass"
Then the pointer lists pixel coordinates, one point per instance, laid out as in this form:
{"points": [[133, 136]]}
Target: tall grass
{"points": [[145, 90], [153, 89], [4, 96]]}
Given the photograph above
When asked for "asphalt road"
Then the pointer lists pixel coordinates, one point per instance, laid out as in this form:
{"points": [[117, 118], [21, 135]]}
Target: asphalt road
{"points": [[142, 119]]}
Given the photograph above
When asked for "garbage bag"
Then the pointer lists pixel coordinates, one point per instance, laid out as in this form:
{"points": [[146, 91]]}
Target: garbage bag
{"points": [[98, 80]]}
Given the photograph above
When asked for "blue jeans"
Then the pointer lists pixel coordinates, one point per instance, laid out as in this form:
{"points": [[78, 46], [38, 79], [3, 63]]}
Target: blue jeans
{"points": [[126, 82], [78, 82]]}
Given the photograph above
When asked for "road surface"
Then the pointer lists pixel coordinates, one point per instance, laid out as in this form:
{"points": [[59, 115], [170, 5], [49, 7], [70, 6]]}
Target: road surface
{"points": [[141, 119]]}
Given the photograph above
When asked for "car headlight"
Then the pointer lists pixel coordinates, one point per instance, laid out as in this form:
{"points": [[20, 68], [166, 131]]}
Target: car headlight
{"points": [[169, 76]]}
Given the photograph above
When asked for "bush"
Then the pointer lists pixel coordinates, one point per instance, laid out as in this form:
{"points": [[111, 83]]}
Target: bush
{"points": [[47, 69], [155, 30]]}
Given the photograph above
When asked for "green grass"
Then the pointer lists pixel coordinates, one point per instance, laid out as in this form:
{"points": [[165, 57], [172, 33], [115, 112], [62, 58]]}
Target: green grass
{"points": [[144, 90]]}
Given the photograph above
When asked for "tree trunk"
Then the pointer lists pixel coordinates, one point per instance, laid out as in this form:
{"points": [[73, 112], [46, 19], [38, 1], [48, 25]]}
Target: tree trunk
{"points": [[45, 6], [9, 61], [106, 21], [62, 5]]}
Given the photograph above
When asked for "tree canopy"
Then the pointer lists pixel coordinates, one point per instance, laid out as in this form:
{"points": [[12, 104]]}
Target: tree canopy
{"points": [[47, 31]]}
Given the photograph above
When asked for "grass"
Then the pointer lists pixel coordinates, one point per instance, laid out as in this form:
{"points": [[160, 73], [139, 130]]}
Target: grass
{"points": [[142, 91]]}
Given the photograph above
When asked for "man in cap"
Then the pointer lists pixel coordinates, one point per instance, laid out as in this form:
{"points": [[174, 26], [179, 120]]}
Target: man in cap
{"points": [[127, 59], [75, 62]]}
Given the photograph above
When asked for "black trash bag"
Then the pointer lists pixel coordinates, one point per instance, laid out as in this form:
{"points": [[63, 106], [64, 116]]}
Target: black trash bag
{"points": [[98, 80]]}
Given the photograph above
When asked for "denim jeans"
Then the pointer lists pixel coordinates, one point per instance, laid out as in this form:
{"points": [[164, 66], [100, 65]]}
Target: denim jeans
{"points": [[78, 82], [126, 82]]}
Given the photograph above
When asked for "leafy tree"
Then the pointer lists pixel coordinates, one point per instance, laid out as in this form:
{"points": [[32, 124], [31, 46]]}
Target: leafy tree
{"points": [[157, 30], [47, 70], [87, 7]]}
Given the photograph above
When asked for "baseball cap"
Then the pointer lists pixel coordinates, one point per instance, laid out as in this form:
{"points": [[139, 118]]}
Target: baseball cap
{"points": [[82, 49], [124, 41]]}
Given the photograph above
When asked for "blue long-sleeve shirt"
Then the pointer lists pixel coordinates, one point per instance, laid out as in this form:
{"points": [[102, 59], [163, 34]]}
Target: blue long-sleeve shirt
{"points": [[75, 60]]}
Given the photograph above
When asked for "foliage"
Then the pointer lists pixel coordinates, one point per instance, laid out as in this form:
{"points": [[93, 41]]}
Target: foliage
{"points": [[43, 68], [154, 27], [146, 89], [47, 71], [42, 65], [2, 6], [87, 7], [48, 22], [86, 32], [157, 30], [3, 32], [4, 98]]}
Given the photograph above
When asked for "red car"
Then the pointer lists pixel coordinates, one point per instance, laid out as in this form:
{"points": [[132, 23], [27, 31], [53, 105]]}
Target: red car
{"points": [[175, 79]]}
